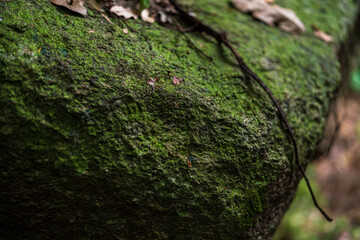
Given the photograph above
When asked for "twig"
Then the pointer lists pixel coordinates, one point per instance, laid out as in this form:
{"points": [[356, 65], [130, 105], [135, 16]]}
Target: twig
{"points": [[222, 38], [107, 18], [189, 29]]}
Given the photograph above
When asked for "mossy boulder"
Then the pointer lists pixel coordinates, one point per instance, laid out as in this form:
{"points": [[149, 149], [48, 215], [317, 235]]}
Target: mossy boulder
{"points": [[91, 150]]}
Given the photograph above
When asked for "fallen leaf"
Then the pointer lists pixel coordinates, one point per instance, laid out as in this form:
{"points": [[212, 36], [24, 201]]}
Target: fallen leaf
{"points": [[323, 36], [73, 5], [177, 80], [124, 12], [145, 16], [271, 14], [189, 164], [91, 31], [151, 82], [125, 30]]}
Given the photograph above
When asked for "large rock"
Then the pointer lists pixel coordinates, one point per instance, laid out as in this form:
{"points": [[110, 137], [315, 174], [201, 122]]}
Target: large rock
{"points": [[91, 150]]}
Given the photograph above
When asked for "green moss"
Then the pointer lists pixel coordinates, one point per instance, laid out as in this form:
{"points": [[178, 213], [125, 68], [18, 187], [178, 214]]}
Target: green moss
{"points": [[95, 148]]}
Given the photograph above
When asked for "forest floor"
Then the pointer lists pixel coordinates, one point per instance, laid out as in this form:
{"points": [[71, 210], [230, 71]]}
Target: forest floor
{"points": [[337, 179], [338, 174]]}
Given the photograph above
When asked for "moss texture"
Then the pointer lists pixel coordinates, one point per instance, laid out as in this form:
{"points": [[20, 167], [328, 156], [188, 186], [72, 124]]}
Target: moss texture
{"points": [[89, 150]]}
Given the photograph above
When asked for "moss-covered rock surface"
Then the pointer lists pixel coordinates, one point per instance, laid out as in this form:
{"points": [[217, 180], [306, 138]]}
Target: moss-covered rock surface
{"points": [[90, 150]]}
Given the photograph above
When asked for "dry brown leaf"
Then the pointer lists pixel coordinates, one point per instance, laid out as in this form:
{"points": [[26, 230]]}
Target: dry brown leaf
{"points": [[271, 14], [73, 5], [124, 12], [177, 80], [323, 36], [145, 16]]}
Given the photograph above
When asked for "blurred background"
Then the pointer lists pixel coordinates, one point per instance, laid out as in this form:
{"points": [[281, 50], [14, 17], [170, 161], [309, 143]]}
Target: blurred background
{"points": [[334, 174]]}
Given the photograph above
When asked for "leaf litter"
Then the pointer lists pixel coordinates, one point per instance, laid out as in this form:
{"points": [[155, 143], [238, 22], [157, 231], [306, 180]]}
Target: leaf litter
{"points": [[271, 14], [124, 12], [151, 82], [74, 5], [176, 80], [160, 10], [147, 10]]}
